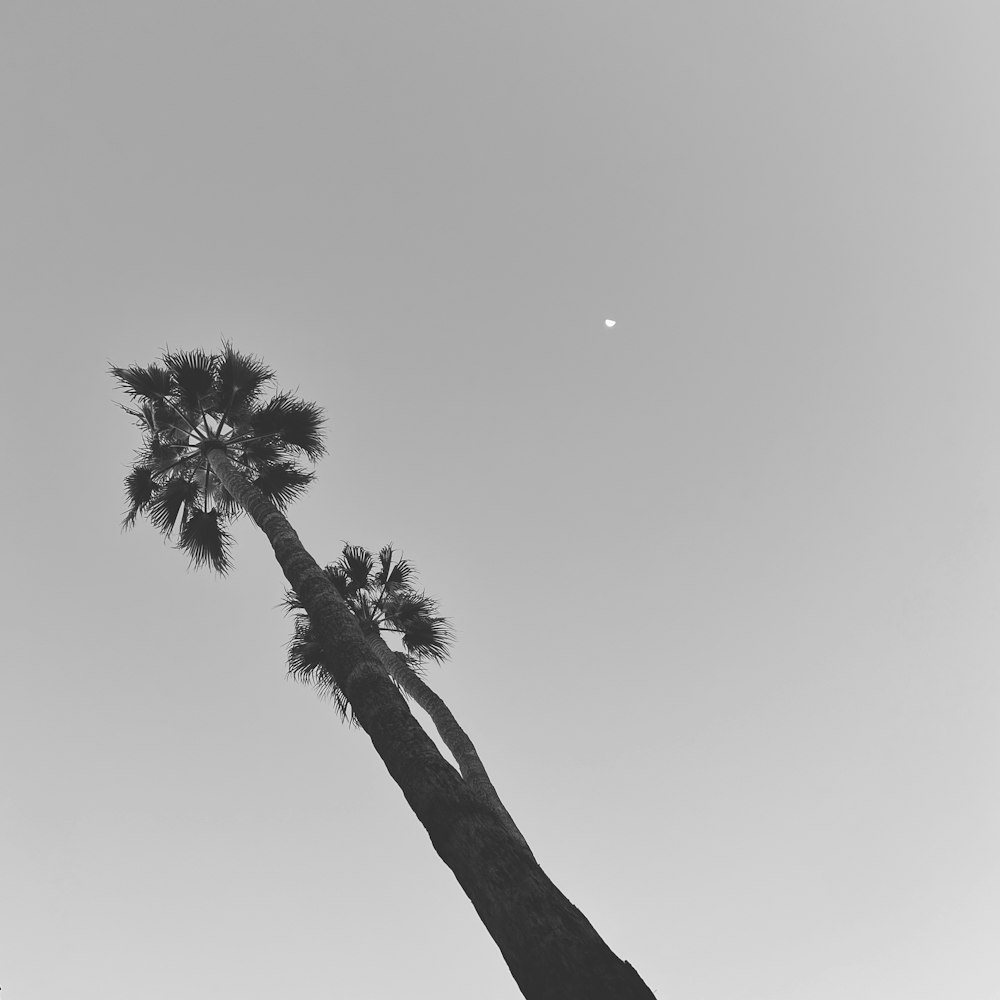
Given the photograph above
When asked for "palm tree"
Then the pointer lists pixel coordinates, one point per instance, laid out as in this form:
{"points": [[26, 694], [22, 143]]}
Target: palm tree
{"points": [[212, 449], [384, 600]]}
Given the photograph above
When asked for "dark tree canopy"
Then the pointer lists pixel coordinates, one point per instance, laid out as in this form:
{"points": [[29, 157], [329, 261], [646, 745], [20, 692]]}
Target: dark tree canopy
{"points": [[187, 405]]}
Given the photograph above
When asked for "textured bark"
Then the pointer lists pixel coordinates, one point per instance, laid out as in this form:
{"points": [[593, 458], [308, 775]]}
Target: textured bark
{"points": [[452, 734], [551, 949]]}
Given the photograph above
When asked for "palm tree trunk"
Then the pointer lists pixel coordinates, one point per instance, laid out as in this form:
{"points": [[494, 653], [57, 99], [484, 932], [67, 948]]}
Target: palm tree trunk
{"points": [[452, 734], [551, 949]]}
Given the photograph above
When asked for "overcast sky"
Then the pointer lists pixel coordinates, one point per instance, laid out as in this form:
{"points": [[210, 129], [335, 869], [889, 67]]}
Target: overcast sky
{"points": [[725, 578]]}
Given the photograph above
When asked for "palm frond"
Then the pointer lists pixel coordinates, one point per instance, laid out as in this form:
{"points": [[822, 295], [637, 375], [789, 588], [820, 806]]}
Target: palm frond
{"points": [[298, 423], [205, 540], [307, 664], [357, 563], [290, 602], [424, 632], [193, 376], [173, 497], [408, 606], [139, 489], [392, 577], [150, 383], [429, 637], [339, 579], [240, 379], [283, 483], [305, 654], [263, 451], [385, 557]]}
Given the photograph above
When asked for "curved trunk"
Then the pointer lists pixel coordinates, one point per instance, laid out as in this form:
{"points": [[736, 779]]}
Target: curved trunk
{"points": [[452, 734], [551, 949]]}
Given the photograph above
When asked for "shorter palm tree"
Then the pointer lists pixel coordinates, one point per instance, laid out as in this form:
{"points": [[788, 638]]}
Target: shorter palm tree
{"points": [[384, 600]]}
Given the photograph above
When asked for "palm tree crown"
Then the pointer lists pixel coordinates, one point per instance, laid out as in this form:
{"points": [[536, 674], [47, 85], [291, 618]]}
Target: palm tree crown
{"points": [[383, 599], [192, 403]]}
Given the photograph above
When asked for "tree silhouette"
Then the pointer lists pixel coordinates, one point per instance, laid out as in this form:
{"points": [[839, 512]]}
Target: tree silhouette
{"points": [[212, 449]]}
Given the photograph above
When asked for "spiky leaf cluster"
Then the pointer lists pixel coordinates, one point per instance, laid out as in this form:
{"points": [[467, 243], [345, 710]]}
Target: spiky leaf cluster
{"points": [[382, 597], [192, 402]]}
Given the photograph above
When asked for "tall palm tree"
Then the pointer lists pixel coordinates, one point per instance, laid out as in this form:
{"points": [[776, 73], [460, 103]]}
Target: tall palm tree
{"points": [[385, 600], [213, 448]]}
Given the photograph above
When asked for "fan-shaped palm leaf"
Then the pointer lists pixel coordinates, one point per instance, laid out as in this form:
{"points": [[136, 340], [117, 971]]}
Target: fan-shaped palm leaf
{"points": [[429, 638], [193, 378], [170, 501], [241, 377], [423, 631], [340, 581], [262, 450], [306, 664], [357, 563], [283, 483], [385, 557], [391, 576], [205, 540], [150, 383], [139, 489], [297, 423]]}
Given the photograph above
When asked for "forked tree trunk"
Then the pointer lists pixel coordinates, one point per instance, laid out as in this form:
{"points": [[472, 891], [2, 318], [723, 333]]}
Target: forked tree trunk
{"points": [[452, 734], [551, 949]]}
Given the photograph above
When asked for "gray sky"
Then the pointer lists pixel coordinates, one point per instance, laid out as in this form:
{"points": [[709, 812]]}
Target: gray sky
{"points": [[725, 578]]}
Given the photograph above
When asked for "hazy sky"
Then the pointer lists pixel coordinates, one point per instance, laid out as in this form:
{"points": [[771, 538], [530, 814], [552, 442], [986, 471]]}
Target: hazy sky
{"points": [[725, 578]]}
